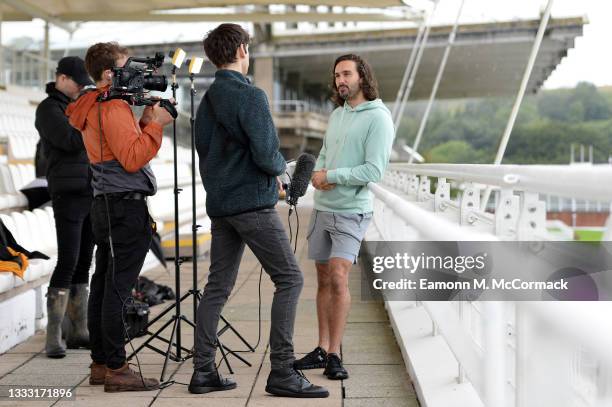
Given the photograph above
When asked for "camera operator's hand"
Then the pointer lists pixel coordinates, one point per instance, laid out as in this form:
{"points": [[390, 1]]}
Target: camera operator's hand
{"points": [[147, 116], [160, 115]]}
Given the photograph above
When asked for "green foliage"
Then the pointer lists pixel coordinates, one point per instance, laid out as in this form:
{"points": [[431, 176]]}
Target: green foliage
{"points": [[469, 131], [455, 152]]}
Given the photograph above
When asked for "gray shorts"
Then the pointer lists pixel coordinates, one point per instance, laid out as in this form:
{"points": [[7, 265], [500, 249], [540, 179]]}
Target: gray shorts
{"points": [[333, 234]]}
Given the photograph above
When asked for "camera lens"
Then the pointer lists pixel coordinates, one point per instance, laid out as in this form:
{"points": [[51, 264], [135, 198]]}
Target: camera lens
{"points": [[155, 82]]}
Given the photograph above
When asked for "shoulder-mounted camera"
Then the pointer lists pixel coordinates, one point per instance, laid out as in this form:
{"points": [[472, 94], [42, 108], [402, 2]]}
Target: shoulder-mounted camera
{"points": [[133, 81]]}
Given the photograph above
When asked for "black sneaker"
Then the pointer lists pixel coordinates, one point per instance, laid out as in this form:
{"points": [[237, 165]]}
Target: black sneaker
{"points": [[313, 360], [207, 381], [334, 369], [289, 382]]}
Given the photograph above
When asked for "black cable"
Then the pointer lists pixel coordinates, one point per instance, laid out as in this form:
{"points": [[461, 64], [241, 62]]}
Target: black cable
{"points": [[258, 318], [297, 228], [289, 223]]}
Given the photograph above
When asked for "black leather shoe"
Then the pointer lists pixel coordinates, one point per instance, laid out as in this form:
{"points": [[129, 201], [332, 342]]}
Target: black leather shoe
{"points": [[288, 382], [334, 369], [207, 381], [313, 360]]}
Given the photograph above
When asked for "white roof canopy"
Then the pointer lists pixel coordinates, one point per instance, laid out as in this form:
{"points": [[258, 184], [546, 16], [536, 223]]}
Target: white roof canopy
{"points": [[60, 12]]}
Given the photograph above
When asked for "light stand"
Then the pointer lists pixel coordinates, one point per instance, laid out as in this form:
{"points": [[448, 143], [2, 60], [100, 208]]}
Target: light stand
{"points": [[178, 57], [195, 65]]}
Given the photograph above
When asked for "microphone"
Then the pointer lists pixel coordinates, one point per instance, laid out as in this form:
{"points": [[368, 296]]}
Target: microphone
{"points": [[301, 178]]}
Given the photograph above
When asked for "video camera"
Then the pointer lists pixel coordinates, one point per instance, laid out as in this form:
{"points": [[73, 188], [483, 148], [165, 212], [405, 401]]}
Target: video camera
{"points": [[135, 79]]}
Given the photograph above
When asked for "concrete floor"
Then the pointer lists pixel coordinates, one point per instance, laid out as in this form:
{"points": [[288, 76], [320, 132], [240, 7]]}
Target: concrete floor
{"points": [[377, 373]]}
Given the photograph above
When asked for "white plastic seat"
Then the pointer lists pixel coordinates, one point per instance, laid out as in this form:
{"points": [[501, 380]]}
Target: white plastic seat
{"points": [[28, 173], [10, 199], [16, 177], [39, 242], [7, 281], [10, 225], [47, 230], [36, 267], [11, 179]]}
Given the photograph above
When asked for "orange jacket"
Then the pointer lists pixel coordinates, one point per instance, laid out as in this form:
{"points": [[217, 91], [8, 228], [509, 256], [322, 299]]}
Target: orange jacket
{"points": [[124, 139]]}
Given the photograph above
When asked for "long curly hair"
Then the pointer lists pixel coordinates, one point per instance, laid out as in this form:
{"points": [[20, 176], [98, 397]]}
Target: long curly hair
{"points": [[369, 85]]}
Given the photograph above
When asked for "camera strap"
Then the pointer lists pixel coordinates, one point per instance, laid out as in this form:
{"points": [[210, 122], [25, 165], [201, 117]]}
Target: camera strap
{"points": [[230, 134]]}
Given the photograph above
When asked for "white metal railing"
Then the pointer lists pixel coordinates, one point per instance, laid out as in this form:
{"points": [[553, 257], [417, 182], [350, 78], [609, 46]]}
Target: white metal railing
{"points": [[513, 354], [582, 182]]}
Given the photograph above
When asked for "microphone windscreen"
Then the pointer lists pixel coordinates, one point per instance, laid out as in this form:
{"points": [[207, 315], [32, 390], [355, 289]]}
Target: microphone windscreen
{"points": [[301, 177]]}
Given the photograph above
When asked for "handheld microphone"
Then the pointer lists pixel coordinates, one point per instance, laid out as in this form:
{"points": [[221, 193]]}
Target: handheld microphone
{"points": [[301, 178]]}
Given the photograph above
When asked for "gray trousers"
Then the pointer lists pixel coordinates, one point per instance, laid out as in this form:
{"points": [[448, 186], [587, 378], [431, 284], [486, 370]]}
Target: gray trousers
{"points": [[263, 232]]}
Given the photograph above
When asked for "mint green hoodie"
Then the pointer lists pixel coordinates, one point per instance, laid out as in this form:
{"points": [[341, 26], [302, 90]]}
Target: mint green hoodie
{"points": [[355, 151]]}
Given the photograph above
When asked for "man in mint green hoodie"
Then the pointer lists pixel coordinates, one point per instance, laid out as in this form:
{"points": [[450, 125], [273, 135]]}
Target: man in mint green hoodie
{"points": [[355, 152]]}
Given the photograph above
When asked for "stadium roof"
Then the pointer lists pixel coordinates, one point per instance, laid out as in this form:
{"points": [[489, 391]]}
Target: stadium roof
{"points": [[487, 59], [61, 12]]}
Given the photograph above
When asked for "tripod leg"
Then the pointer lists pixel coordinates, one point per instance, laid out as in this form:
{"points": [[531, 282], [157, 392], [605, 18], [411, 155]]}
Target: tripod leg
{"points": [[163, 372], [224, 356], [229, 326], [153, 336], [236, 355], [188, 321]]}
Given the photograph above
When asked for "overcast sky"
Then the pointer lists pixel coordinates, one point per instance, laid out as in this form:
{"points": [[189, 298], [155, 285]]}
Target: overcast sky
{"points": [[590, 60]]}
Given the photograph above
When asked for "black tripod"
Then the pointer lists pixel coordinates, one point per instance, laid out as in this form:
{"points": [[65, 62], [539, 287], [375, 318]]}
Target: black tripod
{"points": [[177, 318], [225, 351]]}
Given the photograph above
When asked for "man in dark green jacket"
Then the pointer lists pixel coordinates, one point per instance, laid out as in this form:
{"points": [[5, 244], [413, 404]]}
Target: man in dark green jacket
{"points": [[239, 163]]}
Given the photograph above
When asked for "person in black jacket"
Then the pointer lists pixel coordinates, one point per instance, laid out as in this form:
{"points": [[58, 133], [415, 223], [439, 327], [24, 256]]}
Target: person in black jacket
{"points": [[68, 176]]}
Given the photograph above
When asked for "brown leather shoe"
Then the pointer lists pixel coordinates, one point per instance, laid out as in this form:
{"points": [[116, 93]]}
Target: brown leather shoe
{"points": [[125, 379], [98, 371]]}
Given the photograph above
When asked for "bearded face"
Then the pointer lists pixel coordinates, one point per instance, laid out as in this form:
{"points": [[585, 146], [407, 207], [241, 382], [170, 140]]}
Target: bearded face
{"points": [[347, 79]]}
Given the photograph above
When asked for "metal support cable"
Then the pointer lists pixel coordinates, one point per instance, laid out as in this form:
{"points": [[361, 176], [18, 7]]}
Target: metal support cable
{"points": [[434, 90], [521, 93], [409, 66], [414, 71]]}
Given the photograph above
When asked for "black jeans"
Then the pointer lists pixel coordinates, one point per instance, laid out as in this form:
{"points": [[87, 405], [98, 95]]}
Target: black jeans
{"points": [[265, 235], [112, 282], [74, 239]]}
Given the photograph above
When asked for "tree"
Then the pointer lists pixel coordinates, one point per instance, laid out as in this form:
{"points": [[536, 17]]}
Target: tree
{"points": [[454, 152]]}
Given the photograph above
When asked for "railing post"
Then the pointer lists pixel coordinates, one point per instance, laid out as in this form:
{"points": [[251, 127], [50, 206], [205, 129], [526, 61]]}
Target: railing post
{"points": [[442, 195], [413, 188], [507, 214], [532, 218], [469, 203], [495, 360], [424, 189]]}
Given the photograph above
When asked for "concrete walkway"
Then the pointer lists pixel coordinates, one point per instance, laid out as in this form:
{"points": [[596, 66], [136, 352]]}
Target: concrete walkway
{"points": [[377, 372]]}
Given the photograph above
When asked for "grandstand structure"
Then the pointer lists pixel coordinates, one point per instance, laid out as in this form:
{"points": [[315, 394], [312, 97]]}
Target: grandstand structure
{"points": [[457, 353]]}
